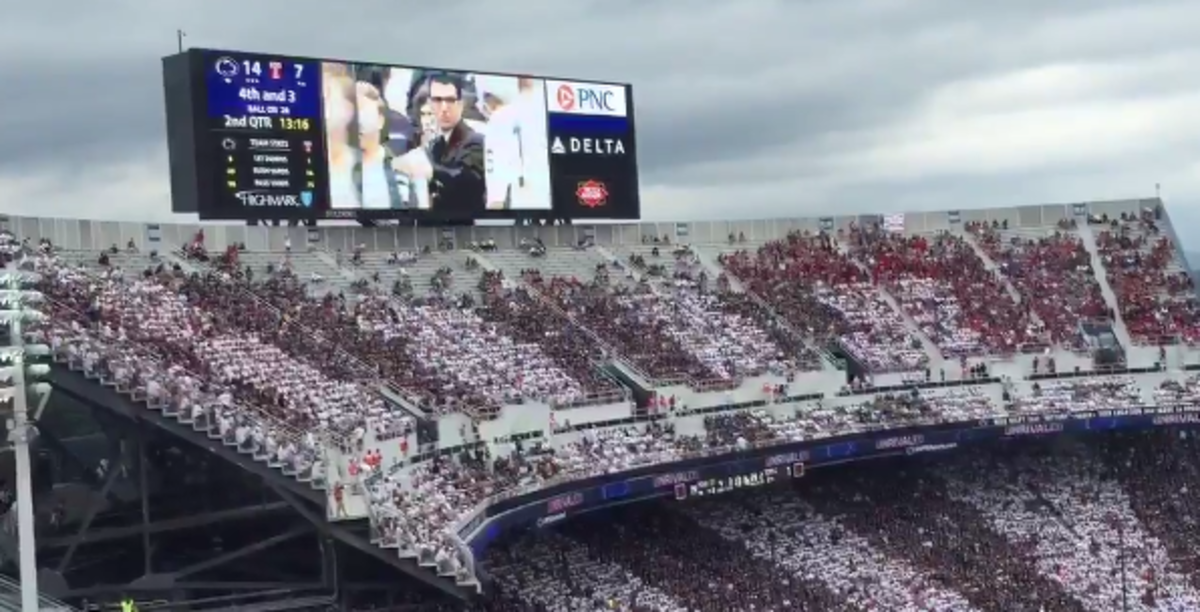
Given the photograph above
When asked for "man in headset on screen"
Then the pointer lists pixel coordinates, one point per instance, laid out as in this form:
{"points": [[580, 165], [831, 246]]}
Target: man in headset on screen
{"points": [[454, 162]]}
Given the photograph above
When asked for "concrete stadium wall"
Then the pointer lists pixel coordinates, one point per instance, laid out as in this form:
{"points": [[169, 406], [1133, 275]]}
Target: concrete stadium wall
{"points": [[87, 234]]}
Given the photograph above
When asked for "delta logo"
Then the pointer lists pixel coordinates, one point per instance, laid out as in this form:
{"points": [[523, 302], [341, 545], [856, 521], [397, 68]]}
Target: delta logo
{"points": [[591, 193]]}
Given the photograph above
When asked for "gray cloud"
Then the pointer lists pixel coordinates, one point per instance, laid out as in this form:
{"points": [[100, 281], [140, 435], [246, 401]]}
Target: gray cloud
{"points": [[753, 109]]}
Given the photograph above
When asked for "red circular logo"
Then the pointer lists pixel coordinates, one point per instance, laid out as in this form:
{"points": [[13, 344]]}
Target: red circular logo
{"points": [[566, 97], [592, 193]]}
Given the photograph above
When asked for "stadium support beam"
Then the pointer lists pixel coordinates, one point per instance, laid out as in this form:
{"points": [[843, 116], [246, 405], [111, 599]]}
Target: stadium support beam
{"points": [[69, 456], [144, 498], [245, 551], [93, 507], [168, 525], [107, 403], [345, 536], [225, 585]]}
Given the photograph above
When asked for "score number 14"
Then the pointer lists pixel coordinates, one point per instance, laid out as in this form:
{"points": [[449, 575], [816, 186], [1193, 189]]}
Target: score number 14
{"points": [[274, 69]]}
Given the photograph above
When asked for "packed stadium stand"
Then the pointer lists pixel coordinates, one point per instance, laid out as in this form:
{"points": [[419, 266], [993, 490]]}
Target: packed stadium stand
{"points": [[410, 377]]}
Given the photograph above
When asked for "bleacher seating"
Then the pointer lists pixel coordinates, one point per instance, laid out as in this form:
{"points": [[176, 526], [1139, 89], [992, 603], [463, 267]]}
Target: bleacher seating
{"points": [[818, 289], [282, 365], [1156, 296], [945, 287], [1052, 272]]}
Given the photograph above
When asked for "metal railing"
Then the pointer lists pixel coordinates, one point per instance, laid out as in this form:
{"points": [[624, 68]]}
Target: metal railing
{"points": [[10, 598], [473, 520], [380, 538]]}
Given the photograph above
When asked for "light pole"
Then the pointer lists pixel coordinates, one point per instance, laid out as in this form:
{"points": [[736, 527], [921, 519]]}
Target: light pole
{"points": [[15, 374]]}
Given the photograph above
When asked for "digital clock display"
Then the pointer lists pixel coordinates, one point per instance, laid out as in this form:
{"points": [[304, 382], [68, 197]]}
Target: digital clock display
{"points": [[264, 121], [724, 484]]}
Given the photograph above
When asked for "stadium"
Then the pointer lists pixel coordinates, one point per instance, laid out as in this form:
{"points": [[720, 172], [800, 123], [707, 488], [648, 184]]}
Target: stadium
{"points": [[369, 445], [986, 409]]}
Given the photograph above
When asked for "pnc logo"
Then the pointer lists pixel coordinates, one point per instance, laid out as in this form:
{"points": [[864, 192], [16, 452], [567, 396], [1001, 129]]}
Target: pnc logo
{"points": [[591, 193], [593, 99], [566, 97]]}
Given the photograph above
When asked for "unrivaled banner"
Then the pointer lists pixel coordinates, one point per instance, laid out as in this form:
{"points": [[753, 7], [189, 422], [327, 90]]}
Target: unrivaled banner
{"points": [[718, 474]]}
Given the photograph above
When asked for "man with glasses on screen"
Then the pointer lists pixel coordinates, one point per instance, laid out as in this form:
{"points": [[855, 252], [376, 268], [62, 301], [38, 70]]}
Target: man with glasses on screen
{"points": [[455, 163]]}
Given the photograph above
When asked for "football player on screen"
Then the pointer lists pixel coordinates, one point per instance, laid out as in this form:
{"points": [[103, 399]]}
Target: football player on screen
{"points": [[502, 155], [515, 136]]}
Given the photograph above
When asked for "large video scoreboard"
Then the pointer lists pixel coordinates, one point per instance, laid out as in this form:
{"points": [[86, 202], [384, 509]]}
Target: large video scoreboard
{"points": [[255, 136]]}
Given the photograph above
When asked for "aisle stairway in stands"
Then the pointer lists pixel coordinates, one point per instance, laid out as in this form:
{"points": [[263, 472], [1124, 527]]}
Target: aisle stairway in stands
{"points": [[330, 260], [936, 359], [991, 266], [623, 263], [1110, 298]]}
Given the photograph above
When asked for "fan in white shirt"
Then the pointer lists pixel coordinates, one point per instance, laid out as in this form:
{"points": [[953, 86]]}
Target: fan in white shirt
{"points": [[516, 165]]}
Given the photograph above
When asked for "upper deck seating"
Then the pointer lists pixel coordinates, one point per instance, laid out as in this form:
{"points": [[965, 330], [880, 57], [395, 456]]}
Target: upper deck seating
{"points": [[821, 291], [523, 316], [1052, 272], [945, 287], [628, 319], [1156, 296]]}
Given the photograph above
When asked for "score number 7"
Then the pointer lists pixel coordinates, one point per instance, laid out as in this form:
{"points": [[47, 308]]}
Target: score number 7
{"points": [[276, 69]]}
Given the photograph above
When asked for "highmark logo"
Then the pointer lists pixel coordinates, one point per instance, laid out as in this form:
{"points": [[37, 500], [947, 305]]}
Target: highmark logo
{"points": [[265, 199]]}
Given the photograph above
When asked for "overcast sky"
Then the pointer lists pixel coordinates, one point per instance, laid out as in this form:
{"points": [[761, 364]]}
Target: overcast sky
{"points": [[755, 108]]}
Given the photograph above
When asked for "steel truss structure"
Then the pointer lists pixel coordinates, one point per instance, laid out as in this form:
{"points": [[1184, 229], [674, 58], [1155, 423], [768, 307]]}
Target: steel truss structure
{"points": [[138, 509]]}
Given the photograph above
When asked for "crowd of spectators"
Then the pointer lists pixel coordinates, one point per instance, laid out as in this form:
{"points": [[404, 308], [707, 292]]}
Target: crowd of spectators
{"points": [[731, 343], [662, 337], [1184, 392], [280, 372], [940, 281], [416, 509], [1156, 296], [1160, 473], [337, 333], [1076, 521], [830, 286], [694, 568], [460, 346], [780, 527], [821, 291], [751, 308], [158, 313], [136, 334], [1053, 274], [517, 310], [1057, 396], [1022, 527]]}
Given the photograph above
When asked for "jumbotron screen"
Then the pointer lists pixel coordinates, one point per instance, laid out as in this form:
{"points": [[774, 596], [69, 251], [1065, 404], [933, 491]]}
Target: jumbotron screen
{"points": [[274, 137]]}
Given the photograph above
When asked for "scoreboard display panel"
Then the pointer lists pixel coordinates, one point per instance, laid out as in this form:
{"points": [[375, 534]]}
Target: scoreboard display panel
{"points": [[256, 136]]}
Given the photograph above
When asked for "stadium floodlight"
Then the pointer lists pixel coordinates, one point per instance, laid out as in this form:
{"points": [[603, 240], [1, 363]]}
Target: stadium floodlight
{"points": [[20, 373]]}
